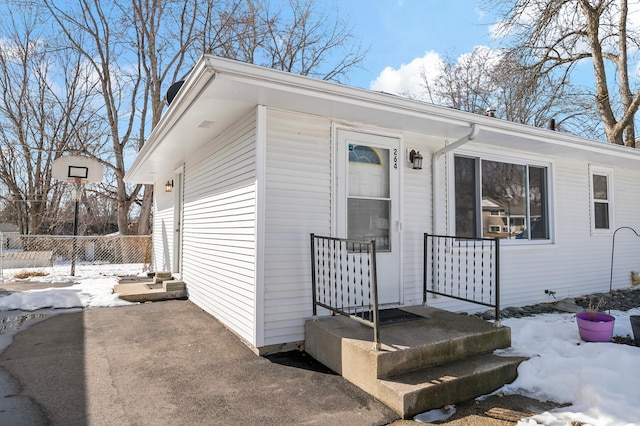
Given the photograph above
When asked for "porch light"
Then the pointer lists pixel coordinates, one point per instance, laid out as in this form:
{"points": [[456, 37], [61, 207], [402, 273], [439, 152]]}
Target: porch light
{"points": [[168, 187], [416, 159]]}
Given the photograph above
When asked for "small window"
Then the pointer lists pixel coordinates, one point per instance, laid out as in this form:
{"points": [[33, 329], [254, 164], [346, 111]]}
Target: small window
{"points": [[494, 212], [363, 154], [601, 200]]}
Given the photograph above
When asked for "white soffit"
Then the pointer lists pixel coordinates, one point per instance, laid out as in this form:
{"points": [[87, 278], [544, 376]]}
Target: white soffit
{"points": [[219, 92]]}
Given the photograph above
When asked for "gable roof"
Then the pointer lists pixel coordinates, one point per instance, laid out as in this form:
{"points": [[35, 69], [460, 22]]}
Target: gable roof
{"points": [[218, 92]]}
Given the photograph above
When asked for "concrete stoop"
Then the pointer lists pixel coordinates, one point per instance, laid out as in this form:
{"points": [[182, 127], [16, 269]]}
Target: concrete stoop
{"points": [[161, 287], [441, 359]]}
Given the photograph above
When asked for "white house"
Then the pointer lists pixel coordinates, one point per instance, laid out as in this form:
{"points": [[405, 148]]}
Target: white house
{"points": [[258, 159]]}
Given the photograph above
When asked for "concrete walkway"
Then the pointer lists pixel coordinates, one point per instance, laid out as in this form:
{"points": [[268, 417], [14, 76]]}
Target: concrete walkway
{"points": [[166, 363]]}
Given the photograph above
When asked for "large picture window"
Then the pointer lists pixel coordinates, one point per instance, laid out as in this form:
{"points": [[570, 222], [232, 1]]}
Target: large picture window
{"points": [[500, 199]]}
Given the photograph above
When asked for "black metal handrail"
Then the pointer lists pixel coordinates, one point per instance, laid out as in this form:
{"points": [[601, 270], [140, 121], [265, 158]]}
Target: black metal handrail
{"points": [[344, 280], [613, 249], [463, 268]]}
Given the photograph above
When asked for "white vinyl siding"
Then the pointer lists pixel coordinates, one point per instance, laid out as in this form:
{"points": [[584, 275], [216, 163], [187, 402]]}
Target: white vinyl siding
{"points": [[297, 203], [219, 228], [417, 213]]}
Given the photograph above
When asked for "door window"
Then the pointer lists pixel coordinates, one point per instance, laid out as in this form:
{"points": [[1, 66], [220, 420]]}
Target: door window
{"points": [[368, 199]]}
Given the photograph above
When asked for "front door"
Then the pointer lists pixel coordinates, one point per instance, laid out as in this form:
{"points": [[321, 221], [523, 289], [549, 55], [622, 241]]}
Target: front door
{"points": [[367, 206]]}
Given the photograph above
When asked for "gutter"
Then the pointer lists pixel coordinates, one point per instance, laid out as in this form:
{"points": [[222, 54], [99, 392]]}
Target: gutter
{"points": [[475, 129]]}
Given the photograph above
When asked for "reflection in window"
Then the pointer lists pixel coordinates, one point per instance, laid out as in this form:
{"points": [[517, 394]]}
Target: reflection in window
{"points": [[369, 220], [466, 197], [363, 154], [518, 192]]}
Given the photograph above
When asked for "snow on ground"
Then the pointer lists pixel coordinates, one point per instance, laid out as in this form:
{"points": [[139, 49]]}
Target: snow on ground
{"points": [[88, 289], [598, 380], [87, 293], [92, 286]]}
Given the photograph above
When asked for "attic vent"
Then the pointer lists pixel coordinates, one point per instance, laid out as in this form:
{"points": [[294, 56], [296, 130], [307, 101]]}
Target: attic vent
{"points": [[173, 91]]}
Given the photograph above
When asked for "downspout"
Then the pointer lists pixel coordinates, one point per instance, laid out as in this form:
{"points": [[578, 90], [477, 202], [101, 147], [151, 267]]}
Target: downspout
{"points": [[436, 173]]}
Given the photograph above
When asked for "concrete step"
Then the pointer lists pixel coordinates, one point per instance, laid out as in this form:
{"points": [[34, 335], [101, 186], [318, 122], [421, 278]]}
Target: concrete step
{"points": [[162, 274], [436, 354], [173, 285], [435, 387], [144, 292], [161, 277], [439, 337]]}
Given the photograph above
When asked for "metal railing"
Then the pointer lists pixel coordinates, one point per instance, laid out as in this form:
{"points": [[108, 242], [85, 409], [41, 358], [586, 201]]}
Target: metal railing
{"points": [[462, 268], [23, 256], [344, 280]]}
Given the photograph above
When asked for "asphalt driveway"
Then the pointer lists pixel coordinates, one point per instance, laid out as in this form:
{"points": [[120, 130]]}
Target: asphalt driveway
{"points": [[166, 363]]}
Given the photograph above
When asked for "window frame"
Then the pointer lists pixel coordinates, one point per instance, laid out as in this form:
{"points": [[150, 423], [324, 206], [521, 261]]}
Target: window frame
{"points": [[527, 161], [608, 173]]}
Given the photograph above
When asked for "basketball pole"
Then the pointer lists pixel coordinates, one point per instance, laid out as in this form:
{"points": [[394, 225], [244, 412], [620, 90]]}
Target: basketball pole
{"points": [[80, 171], [74, 255]]}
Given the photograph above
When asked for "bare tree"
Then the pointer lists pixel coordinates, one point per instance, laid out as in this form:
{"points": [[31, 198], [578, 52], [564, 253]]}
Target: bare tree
{"points": [[466, 83], [498, 80], [137, 48], [298, 37], [559, 34], [45, 111], [526, 95]]}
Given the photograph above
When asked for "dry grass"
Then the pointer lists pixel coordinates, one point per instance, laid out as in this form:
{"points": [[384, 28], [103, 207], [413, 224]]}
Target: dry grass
{"points": [[27, 274]]}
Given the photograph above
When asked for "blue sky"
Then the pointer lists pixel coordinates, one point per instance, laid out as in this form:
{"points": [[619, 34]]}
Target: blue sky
{"points": [[405, 35], [399, 31]]}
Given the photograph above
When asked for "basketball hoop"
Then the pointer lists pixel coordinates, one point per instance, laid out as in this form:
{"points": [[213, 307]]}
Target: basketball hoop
{"points": [[77, 169], [77, 181]]}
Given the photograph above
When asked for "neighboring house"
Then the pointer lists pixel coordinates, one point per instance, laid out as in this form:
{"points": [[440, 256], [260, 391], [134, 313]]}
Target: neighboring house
{"points": [[9, 227], [257, 159], [501, 219]]}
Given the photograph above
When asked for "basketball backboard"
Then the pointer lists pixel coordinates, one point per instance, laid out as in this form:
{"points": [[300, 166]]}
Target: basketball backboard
{"points": [[77, 169]]}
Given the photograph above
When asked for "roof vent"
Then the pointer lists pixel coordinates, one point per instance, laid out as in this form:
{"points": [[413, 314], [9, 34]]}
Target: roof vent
{"points": [[173, 91]]}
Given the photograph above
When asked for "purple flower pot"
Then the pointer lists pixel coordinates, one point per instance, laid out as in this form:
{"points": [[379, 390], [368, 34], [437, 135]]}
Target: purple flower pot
{"points": [[635, 327], [595, 327]]}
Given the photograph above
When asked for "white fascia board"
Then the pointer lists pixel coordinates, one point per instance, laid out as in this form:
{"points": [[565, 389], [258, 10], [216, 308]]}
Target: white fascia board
{"points": [[282, 81], [254, 85], [414, 110]]}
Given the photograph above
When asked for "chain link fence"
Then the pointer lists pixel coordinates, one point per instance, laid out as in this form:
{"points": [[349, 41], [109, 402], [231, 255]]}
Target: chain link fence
{"points": [[24, 256]]}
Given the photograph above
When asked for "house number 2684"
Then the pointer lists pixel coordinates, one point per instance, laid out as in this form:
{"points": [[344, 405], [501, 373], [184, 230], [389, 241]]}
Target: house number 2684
{"points": [[395, 158]]}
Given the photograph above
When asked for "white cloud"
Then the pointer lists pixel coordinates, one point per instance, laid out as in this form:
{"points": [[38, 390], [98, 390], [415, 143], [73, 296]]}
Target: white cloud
{"points": [[497, 30], [410, 79], [479, 12], [407, 79]]}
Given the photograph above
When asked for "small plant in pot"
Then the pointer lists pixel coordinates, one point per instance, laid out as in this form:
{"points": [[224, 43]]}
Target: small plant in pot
{"points": [[595, 326]]}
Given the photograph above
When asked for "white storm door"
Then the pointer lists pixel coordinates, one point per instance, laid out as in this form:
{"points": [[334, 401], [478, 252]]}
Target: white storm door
{"points": [[367, 202], [178, 188]]}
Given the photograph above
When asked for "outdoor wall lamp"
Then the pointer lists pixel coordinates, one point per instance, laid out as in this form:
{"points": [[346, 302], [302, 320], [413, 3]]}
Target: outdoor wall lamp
{"points": [[168, 187], [416, 159]]}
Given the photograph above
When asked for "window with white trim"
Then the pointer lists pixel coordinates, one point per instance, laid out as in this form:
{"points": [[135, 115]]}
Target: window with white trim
{"points": [[520, 191], [601, 199]]}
